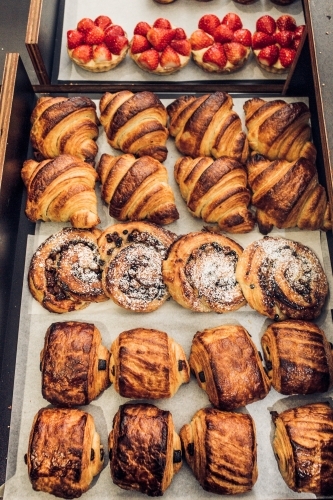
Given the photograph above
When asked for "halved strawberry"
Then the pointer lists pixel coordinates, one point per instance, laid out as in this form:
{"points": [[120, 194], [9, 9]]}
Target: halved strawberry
{"points": [[139, 44], [160, 37], [287, 57], [180, 34], [114, 30], [169, 58], [103, 22], [298, 33], [223, 34], [149, 59], [286, 22], [295, 44], [215, 55], [142, 28], [269, 55], [283, 38], [243, 36], [94, 36], [83, 53], [235, 52], [116, 44], [85, 24], [101, 53], [74, 38], [161, 22], [233, 21], [266, 24], [208, 23], [200, 40], [261, 40], [183, 47]]}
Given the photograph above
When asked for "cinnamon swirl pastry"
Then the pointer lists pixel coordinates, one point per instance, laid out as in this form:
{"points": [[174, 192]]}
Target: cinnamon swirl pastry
{"points": [[303, 446], [65, 271], [298, 357], [221, 449], [147, 364], [282, 279], [200, 272], [132, 274]]}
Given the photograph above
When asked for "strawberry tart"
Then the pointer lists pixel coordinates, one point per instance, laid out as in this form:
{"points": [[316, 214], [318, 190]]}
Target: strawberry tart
{"points": [[275, 42], [160, 48], [221, 46], [97, 45]]}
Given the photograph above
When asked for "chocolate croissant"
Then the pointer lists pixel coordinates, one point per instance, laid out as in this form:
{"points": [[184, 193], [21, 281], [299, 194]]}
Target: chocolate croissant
{"points": [[64, 452], [64, 125], [145, 451], [221, 449], [137, 189], [61, 190], [303, 446], [135, 123], [147, 364], [298, 357], [216, 191], [279, 130], [74, 364], [287, 194], [207, 126]]}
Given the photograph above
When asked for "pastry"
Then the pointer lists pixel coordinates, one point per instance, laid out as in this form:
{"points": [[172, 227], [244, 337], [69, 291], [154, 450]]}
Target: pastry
{"points": [[228, 367], [61, 190], [98, 45], [132, 273], [160, 48], [65, 271], [207, 126], [281, 279], [298, 357], [74, 364], [199, 272], [137, 189], [64, 452], [221, 449], [303, 446], [279, 130], [147, 364], [221, 46], [135, 123], [145, 451], [216, 191], [64, 125]]}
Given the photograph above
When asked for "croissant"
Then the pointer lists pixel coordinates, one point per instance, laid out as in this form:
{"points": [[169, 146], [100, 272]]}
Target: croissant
{"points": [[216, 191], [135, 123], [64, 125], [279, 130], [221, 449], [207, 126], [61, 190], [137, 189], [303, 445]]}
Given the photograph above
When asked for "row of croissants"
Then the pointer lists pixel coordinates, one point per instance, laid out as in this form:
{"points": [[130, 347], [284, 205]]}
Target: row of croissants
{"points": [[225, 176]]}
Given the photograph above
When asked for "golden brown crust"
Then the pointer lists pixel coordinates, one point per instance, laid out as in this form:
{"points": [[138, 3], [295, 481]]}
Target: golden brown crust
{"points": [[137, 189], [64, 452], [303, 445], [298, 357], [200, 272], [145, 451], [74, 364], [147, 364], [220, 447], [61, 190]]}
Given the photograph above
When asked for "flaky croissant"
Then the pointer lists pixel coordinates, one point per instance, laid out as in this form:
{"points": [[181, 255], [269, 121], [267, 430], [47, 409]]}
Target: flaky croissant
{"points": [[61, 190], [216, 191], [287, 194], [279, 130], [137, 189], [64, 125], [207, 126], [135, 123]]}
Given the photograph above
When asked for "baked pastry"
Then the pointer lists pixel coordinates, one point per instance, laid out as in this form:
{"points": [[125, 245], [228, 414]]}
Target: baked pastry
{"points": [[132, 274], [145, 450], [62, 125], [199, 272], [281, 279], [65, 271], [279, 130], [137, 189], [227, 365], [160, 48], [216, 191], [147, 364], [74, 364], [221, 46], [282, 2], [98, 45], [64, 452], [303, 445], [221, 449], [207, 126], [287, 194], [298, 357], [61, 190], [135, 123]]}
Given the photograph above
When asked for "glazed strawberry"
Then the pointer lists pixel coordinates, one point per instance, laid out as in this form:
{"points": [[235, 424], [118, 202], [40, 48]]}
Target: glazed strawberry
{"points": [[266, 24], [116, 44], [298, 32], [74, 38], [114, 30], [200, 40], [179, 34], [139, 44], [142, 28], [283, 38], [286, 22], [169, 58], [261, 40], [149, 59], [223, 34], [85, 24], [233, 21], [160, 37], [83, 53], [268, 56], [208, 23], [103, 22], [287, 56], [243, 36], [101, 53], [235, 52], [94, 36], [183, 47], [216, 55], [161, 22]]}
